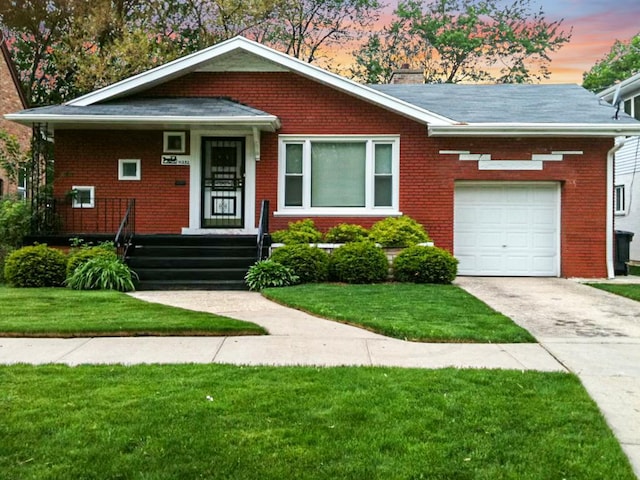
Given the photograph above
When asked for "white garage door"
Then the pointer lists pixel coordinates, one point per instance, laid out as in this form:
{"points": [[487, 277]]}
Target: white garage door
{"points": [[507, 229]]}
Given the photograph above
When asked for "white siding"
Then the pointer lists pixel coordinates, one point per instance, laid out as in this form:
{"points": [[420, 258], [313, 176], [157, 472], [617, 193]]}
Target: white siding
{"points": [[628, 158], [630, 222]]}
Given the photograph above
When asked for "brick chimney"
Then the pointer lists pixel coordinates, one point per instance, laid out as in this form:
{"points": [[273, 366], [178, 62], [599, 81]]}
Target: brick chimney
{"points": [[406, 76]]}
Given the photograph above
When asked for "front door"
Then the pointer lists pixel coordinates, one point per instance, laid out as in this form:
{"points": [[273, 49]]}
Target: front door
{"points": [[222, 182]]}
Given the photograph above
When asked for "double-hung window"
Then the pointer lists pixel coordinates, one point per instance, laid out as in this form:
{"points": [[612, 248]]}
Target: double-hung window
{"points": [[347, 175]]}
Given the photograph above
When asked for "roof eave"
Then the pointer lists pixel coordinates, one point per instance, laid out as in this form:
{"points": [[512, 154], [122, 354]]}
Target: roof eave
{"points": [[534, 130], [270, 123], [630, 84], [13, 72]]}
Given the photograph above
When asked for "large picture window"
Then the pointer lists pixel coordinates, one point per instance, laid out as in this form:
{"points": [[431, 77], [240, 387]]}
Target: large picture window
{"points": [[339, 175]]}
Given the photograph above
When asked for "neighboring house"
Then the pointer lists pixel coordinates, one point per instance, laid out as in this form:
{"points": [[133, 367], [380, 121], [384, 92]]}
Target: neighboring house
{"points": [[11, 100], [627, 162], [515, 180]]}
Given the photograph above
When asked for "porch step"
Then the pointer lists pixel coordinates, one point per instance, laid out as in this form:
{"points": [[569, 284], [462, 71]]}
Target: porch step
{"points": [[191, 285], [190, 262], [180, 262]]}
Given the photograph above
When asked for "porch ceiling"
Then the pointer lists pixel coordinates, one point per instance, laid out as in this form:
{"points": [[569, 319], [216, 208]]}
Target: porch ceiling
{"points": [[151, 113]]}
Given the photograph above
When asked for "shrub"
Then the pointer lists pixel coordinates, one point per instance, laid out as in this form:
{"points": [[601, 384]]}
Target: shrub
{"points": [[303, 231], [102, 273], [419, 264], [84, 254], [267, 273], [398, 232], [310, 264], [359, 262], [35, 266], [345, 233], [15, 222], [5, 250]]}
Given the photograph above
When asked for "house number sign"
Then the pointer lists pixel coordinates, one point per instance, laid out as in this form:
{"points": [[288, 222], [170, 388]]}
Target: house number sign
{"points": [[174, 160]]}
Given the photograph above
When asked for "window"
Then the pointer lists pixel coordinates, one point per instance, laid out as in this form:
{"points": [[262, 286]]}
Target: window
{"points": [[339, 175], [22, 184], [620, 205], [83, 197], [174, 142], [129, 169]]}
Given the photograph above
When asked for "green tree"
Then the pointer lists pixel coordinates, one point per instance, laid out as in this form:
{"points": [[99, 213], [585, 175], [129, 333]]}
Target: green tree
{"points": [[34, 29], [64, 48], [471, 41], [383, 53], [306, 28], [13, 160], [622, 61]]}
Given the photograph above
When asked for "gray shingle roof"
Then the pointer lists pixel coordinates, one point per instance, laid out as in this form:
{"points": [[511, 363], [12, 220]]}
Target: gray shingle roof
{"points": [[157, 107], [550, 104]]}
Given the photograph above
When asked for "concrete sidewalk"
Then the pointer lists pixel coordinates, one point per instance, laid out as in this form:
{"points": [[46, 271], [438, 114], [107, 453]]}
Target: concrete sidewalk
{"points": [[296, 338]]}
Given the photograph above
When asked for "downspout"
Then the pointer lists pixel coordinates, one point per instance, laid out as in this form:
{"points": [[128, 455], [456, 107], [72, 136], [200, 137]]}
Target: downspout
{"points": [[619, 143]]}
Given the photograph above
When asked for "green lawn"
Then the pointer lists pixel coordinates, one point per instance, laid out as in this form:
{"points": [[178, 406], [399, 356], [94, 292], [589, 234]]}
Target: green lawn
{"points": [[631, 291], [426, 313], [227, 422], [61, 312]]}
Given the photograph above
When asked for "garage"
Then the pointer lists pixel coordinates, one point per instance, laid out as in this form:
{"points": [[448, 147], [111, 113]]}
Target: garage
{"points": [[507, 229]]}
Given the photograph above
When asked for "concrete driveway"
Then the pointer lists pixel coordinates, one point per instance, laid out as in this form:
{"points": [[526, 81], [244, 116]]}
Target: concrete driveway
{"points": [[595, 334]]}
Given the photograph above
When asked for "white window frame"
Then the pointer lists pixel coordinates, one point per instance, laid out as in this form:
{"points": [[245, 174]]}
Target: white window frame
{"points": [[620, 201], [121, 164], [369, 209], [92, 197], [183, 141]]}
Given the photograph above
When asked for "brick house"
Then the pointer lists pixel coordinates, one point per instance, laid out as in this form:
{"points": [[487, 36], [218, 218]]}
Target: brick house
{"points": [[11, 99], [515, 180]]}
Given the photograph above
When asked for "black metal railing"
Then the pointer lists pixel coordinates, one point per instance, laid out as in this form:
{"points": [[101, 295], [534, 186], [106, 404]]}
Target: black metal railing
{"points": [[127, 230], [263, 228], [66, 215]]}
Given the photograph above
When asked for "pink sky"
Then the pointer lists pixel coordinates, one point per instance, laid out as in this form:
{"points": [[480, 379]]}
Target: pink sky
{"points": [[596, 26]]}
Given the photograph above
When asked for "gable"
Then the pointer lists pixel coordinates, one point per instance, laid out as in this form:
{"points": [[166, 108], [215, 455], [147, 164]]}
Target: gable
{"points": [[241, 54]]}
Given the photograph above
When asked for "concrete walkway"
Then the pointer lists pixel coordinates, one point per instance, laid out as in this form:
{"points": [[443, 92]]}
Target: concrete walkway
{"points": [[295, 338], [595, 334]]}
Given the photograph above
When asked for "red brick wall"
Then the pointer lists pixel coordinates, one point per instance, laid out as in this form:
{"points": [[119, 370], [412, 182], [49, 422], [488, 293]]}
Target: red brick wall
{"points": [[426, 178], [90, 158]]}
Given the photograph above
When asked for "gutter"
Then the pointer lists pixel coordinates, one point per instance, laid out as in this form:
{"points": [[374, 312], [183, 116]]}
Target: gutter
{"points": [[534, 130], [271, 122], [619, 143]]}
